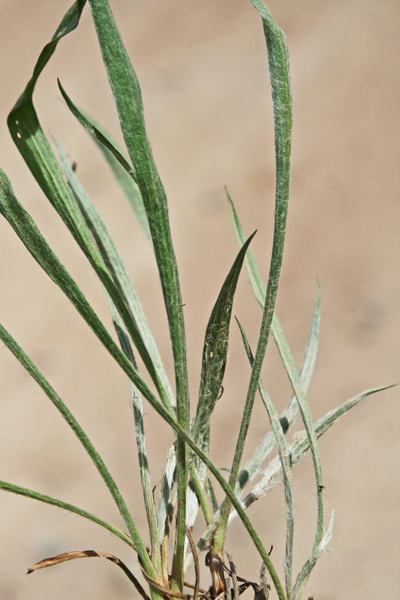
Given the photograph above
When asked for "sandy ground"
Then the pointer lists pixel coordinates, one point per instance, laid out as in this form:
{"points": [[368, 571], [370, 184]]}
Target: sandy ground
{"points": [[203, 71]]}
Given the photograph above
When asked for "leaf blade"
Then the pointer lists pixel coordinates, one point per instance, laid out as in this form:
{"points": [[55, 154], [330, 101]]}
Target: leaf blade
{"points": [[300, 445], [253, 465], [119, 164], [28, 493], [127, 95], [283, 453], [35, 148], [141, 333], [282, 108], [215, 347]]}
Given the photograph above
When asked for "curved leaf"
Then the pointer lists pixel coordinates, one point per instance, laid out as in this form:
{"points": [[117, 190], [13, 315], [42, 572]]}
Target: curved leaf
{"points": [[72, 422], [6, 486], [33, 145], [282, 109], [123, 283], [120, 166]]}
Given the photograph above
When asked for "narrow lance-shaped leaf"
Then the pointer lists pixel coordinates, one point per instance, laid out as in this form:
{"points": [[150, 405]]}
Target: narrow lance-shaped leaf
{"points": [[26, 229], [121, 278], [308, 424], [215, 348], [32, 143], [299, 446], [252, 467], [285, 466], [259, 291], [211, 494], [282, 108], [215, 351], [120, 166], [72, 422], [254, 464], [144, 468], [23, 123], [120, 275], [273, 473], [128, 100], [291, 370], [28, 232], [196, 487], [255, 279], [102, 140], [310, 564], [6, 486]]}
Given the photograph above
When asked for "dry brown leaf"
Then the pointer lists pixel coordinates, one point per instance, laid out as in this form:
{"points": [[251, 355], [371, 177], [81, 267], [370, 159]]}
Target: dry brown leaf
{"points": [[74, 554], [216, 565]]}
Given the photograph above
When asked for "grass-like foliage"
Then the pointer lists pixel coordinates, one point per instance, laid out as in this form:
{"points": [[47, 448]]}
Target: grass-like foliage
{"points": [[187, 488]]}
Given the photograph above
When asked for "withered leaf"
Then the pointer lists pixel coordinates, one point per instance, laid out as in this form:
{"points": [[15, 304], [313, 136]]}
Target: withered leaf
{"points": [[74, 554]]}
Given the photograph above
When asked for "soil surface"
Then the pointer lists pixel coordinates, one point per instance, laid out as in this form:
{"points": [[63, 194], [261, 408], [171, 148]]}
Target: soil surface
{"points": [[203, 71]]}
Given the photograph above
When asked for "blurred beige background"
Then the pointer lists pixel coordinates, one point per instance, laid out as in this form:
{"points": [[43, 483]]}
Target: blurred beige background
{"points": [[202, 66]]}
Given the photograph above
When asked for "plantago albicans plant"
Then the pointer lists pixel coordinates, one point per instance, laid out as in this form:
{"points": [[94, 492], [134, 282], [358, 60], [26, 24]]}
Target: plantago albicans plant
{"points": [[187, 488]]}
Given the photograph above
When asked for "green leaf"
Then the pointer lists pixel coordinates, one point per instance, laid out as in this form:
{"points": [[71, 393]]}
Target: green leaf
{"points": [[40, 250], [23, 123], [300, 445], [258, 288], [21, 491], [298, 391], [72, 422], [38, 155], [120, 166], [127, 95], [35, 243], [215, 348], [253, 466], [291, 370], [128, 100], [26, 229], [272, 474], [121, 277], [145, 478], [215, 351], [255, 279], [297, 383], [310, 564], [196, 495], [282, 108], [141, 332], [283, 453]]}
